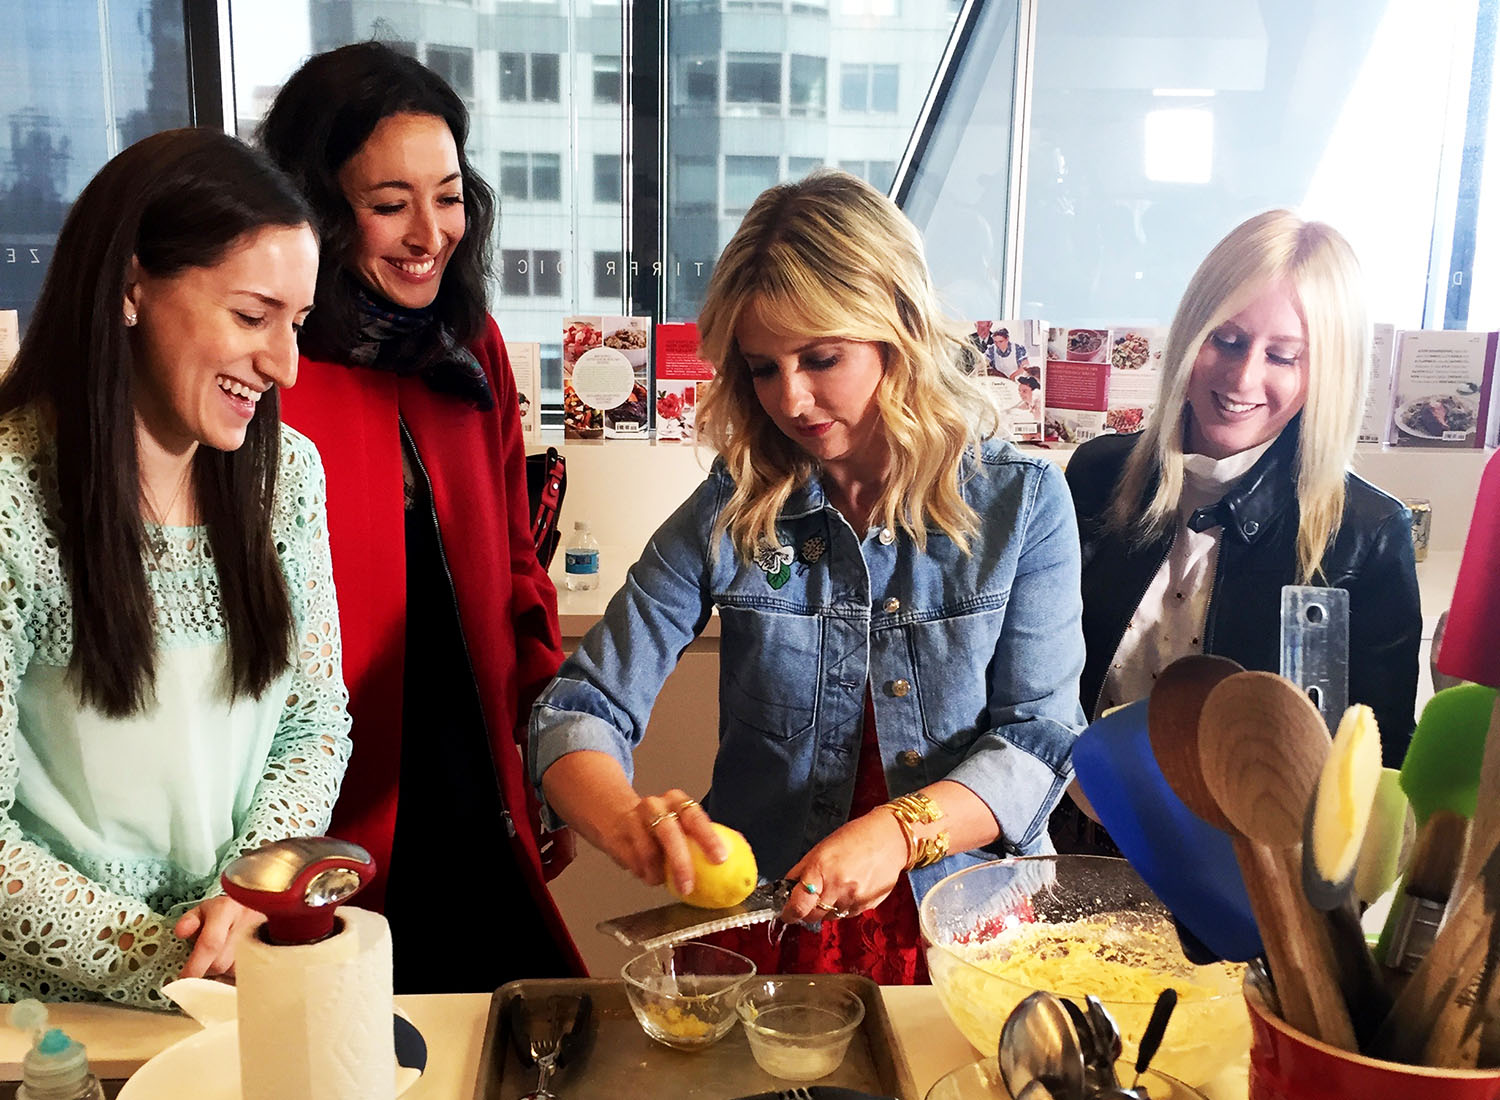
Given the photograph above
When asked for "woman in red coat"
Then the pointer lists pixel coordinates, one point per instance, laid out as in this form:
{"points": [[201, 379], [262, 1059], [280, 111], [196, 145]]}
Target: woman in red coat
{"points": [[449, 622]]}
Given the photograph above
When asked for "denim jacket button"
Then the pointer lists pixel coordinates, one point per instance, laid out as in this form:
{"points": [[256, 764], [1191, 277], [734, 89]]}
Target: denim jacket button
{"points": [[911, 758], [892, 605], [899, 688], [887, 536]]}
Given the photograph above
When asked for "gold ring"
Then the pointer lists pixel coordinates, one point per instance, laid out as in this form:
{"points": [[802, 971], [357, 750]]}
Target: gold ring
{"points": [[685, 803], [828, 907], [659, 818], [810, 888]]}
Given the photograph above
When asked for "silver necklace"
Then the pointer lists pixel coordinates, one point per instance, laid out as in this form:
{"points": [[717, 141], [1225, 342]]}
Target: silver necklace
{"points": [[156, 540]]}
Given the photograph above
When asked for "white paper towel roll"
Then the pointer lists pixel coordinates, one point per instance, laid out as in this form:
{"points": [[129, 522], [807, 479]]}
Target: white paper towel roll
{"points": [[315, 1019]]}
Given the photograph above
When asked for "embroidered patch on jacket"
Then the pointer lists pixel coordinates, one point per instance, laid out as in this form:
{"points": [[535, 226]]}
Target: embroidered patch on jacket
{"points": [[812, 549], [776, 561]]}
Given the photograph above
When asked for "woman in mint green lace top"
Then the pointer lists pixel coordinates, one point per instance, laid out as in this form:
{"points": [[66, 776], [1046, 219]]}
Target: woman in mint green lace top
{"points": [[171, 692]]}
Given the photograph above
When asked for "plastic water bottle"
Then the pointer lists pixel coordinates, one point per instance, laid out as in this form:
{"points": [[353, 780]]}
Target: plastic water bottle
{"points": [[581, 559], [56, 1067]]}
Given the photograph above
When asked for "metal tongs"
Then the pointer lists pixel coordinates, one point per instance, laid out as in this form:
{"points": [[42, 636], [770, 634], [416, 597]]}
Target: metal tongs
{"points": [[548, 1036], [1050, 1049]]}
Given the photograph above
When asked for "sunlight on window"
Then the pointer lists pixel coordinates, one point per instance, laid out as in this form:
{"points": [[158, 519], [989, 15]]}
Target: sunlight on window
{"points": [[1390, 130], [1180, 145]]}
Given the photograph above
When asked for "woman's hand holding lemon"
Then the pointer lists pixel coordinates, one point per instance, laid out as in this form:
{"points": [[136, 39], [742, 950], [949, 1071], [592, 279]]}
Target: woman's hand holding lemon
{"points": [[725, 883]]}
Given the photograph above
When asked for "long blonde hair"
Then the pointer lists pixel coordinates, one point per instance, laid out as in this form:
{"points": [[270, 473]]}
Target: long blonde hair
{"points": [[829, 256], [1318, 263]]}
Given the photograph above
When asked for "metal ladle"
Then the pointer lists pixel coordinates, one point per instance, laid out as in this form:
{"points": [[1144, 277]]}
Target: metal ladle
{"points": [[1040, 1053]]}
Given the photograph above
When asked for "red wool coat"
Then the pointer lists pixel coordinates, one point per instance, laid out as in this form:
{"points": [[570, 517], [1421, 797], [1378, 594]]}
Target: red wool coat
{"points": [[507, 604]]}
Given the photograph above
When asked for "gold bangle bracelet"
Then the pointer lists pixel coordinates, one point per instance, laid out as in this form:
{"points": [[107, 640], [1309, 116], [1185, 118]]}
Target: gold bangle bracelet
{"points": [[916, 808]]}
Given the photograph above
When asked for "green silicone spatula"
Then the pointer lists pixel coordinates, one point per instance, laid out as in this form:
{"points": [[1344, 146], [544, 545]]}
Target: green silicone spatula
{"points": [[1441, 772]]}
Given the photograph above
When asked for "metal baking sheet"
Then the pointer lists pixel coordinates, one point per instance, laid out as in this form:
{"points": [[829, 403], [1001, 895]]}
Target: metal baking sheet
{"points": [[622, 1061]]}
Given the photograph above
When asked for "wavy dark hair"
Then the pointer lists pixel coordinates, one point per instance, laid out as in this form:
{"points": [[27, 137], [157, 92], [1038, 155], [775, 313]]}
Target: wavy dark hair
{"points": [[322, 116], [176, 200]]}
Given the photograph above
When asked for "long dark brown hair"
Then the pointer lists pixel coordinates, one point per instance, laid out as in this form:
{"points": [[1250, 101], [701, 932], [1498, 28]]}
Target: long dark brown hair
{"points": [[176, 200], [322, 116]]}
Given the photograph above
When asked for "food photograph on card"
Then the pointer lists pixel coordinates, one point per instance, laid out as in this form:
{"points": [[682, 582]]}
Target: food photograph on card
{"points": [[681, 379], [1440, 387], [630, 418], [1077, 389]]}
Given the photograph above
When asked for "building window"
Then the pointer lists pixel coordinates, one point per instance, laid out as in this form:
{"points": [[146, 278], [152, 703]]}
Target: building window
{"points": [[607, 178], [609, 281], [697, 82], [608, 87], [745, 178], [531, 272], [752, 78], [695, 183], [877, 173], [798, 167], [528, 77], [544, 78], [513, 77], [536, 176], [870, 88], [807, 91], [455, 65]]}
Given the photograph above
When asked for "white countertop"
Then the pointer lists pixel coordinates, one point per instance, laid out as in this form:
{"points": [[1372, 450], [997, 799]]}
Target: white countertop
{"points": [[120, 1039]]}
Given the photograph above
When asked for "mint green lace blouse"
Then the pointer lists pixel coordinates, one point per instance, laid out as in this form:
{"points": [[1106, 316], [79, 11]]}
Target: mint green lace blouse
{"points": [[112, 828]]}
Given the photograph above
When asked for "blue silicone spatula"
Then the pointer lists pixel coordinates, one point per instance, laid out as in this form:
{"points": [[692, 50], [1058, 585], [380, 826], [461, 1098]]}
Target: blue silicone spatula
{"points": [[1187, 862]]}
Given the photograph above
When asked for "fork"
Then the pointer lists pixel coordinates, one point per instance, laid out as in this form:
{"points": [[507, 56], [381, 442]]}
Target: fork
{"points": [[544, 1050]]}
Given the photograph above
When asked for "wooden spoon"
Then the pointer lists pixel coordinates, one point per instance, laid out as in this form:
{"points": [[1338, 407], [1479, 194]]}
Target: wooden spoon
{"points": [[1172, 715], [1261, 746]]}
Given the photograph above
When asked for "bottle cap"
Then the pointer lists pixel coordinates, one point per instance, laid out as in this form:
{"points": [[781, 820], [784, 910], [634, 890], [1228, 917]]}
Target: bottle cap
{"points": [[56, 1064], [580, 525]]}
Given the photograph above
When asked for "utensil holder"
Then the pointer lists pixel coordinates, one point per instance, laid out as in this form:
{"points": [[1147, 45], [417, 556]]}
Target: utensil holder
{"points": [[1287, 1065]]}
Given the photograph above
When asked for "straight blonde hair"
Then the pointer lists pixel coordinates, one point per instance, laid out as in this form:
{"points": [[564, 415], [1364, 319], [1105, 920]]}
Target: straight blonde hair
{"points": [[1317, 262], [831, 257]]}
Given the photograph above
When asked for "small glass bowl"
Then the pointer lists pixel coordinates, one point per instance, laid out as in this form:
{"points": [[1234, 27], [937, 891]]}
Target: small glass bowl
{"points": [[982, 1081], [684, 995], [798, 1028]]}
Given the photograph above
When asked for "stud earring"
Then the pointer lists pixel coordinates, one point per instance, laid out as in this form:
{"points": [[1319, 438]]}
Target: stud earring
{"points": [[130, 320]]}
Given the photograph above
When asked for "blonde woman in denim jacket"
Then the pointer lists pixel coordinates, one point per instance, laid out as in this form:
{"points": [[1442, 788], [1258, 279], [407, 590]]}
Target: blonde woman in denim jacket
{"points": [[898, 596]]}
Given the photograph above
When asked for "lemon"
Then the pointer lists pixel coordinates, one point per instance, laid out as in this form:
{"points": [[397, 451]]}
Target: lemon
{"points": [[720, 885]]}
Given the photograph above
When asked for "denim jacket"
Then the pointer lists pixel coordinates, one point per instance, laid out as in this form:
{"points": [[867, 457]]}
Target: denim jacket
{"points": [[972, 660]]}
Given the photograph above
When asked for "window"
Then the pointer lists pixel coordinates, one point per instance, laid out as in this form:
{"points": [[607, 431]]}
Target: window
{"points": [[754, 96], [877, 173], [455, 65], [695, 183], [807, 93], [531, 273], [698, 81], [529, 78], [535, 176], [513, 77], [752, 78], [607, 84], [745, 178], [607, 178], [78, 87], [544, 78], [609, 281], [870, 88]]}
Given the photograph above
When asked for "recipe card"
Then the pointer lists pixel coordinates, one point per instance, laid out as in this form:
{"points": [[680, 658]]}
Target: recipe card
{"points": [[681, 378], [10, 338], [1441, 388], [526, 365]]}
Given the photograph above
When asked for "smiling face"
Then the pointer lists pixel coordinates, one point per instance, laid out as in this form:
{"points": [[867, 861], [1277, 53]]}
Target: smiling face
{"points": [[210, 341], [820, 391], [407, 195], [1250, 376]]}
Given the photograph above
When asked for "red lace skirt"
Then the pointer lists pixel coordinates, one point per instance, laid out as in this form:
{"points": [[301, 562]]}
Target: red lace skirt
{"points": [[884, 943]]}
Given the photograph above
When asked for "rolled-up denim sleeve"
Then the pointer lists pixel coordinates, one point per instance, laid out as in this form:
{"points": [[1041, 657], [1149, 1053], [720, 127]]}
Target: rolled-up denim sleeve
{"points": [[1021, 766], [602, 697]]}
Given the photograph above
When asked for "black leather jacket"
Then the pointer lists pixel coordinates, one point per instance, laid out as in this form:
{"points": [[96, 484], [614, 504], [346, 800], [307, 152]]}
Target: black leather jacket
{"points": [[1371, 557]]}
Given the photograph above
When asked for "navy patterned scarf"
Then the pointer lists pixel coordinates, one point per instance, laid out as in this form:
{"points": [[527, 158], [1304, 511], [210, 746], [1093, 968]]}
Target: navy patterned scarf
{"points": [[414, 341]]}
